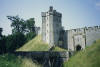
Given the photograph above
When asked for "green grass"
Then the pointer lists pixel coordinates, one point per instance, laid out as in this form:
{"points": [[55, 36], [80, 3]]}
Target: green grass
{"points": [[58, 49], [10, 60], [90, 57], [35, 44]]}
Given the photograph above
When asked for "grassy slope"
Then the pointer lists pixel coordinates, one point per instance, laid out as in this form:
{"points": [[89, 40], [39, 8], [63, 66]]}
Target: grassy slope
{"points": [[10, 60], [35, 45], [90, 57]]}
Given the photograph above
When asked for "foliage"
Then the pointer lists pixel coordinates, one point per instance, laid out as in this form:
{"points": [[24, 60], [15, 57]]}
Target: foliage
{"points": [[15, 41], [18, 24], [30, 25], [30, 35], [28, 62], [90, 57], [10, 60], [23, 31], [3, 44], [1, 32]]}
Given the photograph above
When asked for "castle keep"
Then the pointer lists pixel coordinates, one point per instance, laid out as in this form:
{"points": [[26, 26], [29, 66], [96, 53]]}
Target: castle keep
{"points": [[74, 39], [51, 26]]}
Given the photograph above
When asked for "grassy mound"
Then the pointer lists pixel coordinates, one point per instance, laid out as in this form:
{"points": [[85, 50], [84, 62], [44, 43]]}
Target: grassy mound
{"points": [[90, 57], [35, 44], [10, 60], [58, 49]]}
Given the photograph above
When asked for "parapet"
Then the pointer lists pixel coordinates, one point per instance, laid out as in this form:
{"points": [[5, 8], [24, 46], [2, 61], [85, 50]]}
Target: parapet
{"points": [[43, 14], [52, 12], [94, 28]]}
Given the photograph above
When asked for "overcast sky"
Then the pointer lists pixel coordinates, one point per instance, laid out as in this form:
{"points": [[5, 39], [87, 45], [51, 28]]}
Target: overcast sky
{"points": [[75, 13]]}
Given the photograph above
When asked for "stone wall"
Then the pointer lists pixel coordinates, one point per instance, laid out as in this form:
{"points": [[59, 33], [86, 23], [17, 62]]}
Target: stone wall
{"points": [[92, 34], [51, 26], [43, 26], [46, 58], [75, 38], [82, 37], [69, 39]]}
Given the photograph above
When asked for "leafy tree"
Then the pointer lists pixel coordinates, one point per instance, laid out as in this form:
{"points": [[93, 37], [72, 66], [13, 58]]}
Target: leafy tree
{"points": [[30, 25], [3, 44], [30, 35], [18, 24], [15, 41], [22, 32], [0, 33]]}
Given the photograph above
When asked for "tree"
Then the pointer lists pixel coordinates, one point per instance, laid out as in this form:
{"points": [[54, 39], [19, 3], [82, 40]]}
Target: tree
{"points": [[30, 35], [3, 44], [30, 25], [15, 41], [0, 33], [18, 24], [26, 27]]}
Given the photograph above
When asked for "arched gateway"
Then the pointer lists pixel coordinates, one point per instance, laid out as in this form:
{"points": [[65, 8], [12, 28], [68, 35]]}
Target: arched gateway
{"points": [[78, 48]]}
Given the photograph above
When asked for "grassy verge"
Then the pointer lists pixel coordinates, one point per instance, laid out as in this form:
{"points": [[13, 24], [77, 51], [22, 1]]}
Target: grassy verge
{"points": [[90, 57]]}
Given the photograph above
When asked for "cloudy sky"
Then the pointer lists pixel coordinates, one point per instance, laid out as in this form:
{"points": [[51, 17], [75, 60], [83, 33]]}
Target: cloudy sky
{"points": [[75, 13]]}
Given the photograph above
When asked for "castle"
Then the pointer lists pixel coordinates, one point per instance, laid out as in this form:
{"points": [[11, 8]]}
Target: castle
{"points": [[54, 34]]}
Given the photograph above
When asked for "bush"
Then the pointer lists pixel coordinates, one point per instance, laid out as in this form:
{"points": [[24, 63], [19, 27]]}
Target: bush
{"points": [[15, 41], [12, 42], [3, 44], [30, 35]]}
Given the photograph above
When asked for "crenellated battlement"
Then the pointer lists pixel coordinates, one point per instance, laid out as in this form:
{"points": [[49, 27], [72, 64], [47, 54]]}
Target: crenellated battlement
{"points": [[53, 32], [94, 28], [51, 26], [84, 29]]}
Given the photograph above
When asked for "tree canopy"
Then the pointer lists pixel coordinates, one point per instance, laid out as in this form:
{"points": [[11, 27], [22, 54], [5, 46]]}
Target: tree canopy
{"points": [[17, 24], [21, 25], [22, 31]]}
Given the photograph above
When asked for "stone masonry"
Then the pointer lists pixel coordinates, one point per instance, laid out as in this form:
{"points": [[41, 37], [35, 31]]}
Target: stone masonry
{"points": [[73, 40], [51, 26]]}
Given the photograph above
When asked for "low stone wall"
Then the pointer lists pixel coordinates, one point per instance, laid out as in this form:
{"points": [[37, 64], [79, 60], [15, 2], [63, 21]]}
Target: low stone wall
{"points": [[47, 58]]}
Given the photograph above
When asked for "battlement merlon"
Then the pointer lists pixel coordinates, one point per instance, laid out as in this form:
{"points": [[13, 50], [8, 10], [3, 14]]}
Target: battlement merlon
{"points": [[92, 28], [51, 12]]}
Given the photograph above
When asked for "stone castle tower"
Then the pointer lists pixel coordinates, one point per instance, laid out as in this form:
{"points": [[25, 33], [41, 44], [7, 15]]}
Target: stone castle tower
{"points": [[51, 26], [73, 39]]}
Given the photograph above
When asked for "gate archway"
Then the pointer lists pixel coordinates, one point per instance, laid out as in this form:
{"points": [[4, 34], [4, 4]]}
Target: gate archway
{"points": [[78, 48]]}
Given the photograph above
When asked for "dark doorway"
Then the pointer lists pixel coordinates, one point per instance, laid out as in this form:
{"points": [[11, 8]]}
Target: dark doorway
{"points": [[78, 48]]}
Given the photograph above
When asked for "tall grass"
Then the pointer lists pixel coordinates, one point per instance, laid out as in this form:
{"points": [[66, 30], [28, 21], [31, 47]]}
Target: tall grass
{"points": [[90, 57], [10, 60]]}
